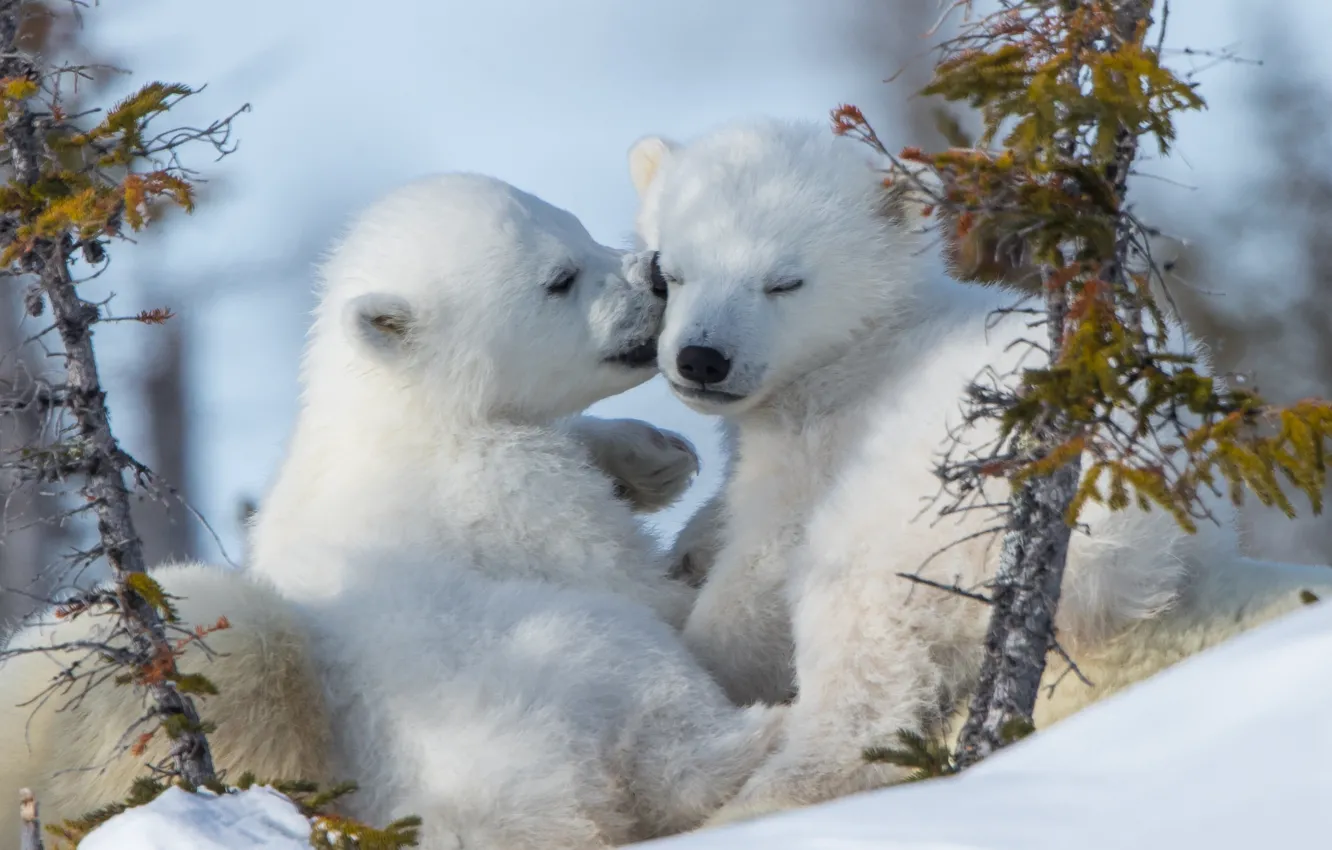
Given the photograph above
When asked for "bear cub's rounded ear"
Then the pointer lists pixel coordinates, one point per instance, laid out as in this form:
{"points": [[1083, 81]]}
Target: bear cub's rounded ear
{"points": [[380, 321], [646, 158]]}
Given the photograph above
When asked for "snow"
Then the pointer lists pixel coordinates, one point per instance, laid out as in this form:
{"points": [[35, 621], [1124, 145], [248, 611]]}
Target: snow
{"points": [[1230, 749], [258, 818]]}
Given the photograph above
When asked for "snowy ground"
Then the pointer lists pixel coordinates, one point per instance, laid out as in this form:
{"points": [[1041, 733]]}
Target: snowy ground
{"points": [[256, 819], [1230, 749]]}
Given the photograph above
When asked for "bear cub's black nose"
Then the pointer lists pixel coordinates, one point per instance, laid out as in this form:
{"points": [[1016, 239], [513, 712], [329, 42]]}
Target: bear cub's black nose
{"points": [[702, 364]]}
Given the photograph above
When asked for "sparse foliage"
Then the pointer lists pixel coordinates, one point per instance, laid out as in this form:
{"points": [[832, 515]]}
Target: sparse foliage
{"points": [[925, 756], [77, 183], [1282, 212], [1068, 90], [31, 536]]}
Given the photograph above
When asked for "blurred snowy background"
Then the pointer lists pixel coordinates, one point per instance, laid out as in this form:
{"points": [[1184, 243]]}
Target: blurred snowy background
{"points": [[350, 99]]}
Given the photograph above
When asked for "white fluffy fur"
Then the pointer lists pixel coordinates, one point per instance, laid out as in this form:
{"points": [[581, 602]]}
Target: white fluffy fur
{"points": [[842, 393], [481, 603], [650, 467], [271, 705], [269, 711], [695, 548], [486, 624]]}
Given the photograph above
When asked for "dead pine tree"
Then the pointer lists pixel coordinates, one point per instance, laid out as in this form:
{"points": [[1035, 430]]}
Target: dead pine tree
{"points": [[1068, 89], [73, 188]]}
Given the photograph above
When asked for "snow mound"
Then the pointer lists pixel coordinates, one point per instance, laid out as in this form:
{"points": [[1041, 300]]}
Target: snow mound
{"points": [[255, 819], [1229, 749]]}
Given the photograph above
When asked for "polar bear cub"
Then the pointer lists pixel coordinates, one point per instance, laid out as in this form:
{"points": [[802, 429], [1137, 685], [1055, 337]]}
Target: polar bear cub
{"points": [[804, 308], [70, 747], [487, 625], [492, 623], [442, 379]]}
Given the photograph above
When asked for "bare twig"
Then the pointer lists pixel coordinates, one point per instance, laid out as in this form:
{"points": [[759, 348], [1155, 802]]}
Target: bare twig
{"points": [[950, 588]]}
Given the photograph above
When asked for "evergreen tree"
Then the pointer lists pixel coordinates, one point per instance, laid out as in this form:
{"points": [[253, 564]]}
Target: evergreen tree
{"points": [[76, 185], [73, 189], [1069, 89]]}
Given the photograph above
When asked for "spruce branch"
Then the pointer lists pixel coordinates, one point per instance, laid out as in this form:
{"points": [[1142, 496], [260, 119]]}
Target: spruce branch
{"points": [[73, 189], [1114, 415]]}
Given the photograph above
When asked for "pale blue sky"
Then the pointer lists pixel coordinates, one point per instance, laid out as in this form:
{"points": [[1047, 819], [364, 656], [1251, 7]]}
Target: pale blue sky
{"points": [[350, 99]]}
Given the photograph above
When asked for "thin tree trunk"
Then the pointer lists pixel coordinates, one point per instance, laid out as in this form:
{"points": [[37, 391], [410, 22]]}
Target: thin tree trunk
{"points": [[101, 458], [105, 489], [1025, 597]]}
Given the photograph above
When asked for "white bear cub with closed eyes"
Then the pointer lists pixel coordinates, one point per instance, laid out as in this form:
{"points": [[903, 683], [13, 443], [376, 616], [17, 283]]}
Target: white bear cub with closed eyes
{"points": [[804, 307], [549, 702]]}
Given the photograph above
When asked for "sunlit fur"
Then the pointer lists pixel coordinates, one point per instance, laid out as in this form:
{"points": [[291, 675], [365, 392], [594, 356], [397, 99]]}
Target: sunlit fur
{"points": [[491, 622], [842, 394], [69, 746]]}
